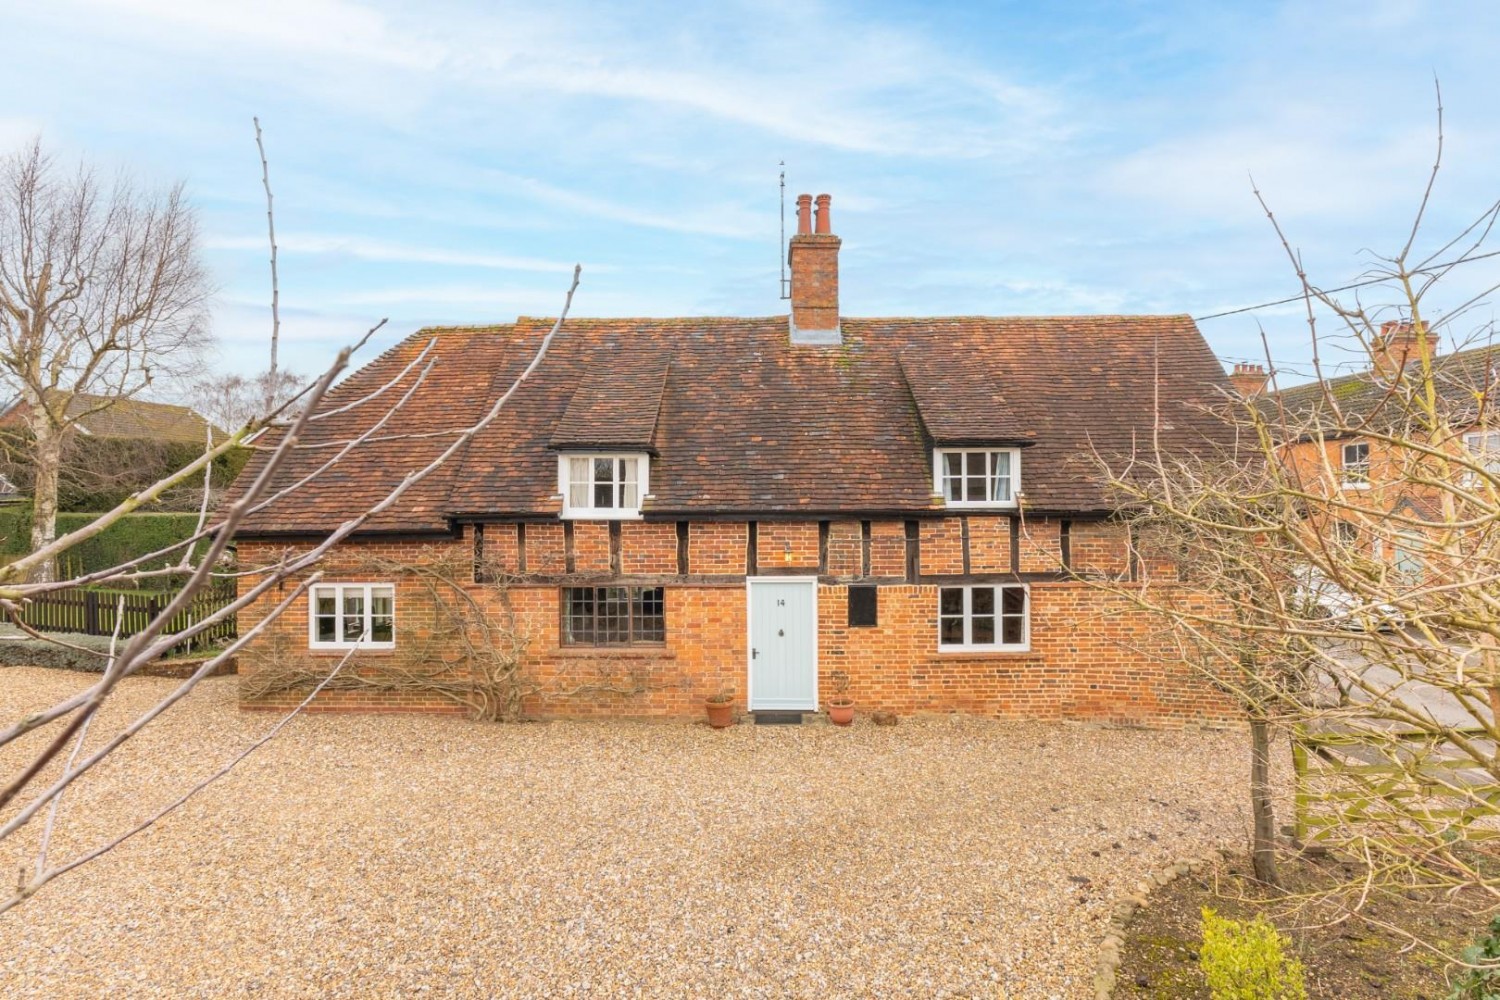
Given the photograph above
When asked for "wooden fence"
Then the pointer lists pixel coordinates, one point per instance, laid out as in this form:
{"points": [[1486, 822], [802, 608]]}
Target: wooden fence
{"points": [[1402, 782], [97, 612]]}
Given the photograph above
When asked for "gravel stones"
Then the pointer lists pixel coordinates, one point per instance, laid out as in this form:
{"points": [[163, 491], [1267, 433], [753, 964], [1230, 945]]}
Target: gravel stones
{"points": [[359, 856]]}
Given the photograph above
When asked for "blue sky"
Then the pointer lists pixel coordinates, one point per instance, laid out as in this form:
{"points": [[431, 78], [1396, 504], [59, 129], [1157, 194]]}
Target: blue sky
{"points": [[447, 162]]}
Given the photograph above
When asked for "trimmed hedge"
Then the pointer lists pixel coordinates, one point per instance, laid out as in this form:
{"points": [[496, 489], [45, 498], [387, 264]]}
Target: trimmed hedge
{"points": [[99, 473], [133, 535]]}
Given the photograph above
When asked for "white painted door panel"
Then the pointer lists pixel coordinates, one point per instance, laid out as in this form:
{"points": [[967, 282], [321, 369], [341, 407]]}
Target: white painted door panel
{"points": [[783, 645]]}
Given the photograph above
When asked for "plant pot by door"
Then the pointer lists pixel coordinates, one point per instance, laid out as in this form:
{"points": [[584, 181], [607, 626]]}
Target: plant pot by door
{"points": [[720, 713]]}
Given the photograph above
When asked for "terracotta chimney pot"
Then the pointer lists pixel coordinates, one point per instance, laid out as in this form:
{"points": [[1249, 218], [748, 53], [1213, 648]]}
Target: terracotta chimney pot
{"points": [[804, 214]]}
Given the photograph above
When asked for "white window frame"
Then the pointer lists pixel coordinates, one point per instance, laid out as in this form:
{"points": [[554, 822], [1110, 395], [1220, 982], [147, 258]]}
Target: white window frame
{"points": [[968, 645], [616, 513], [1354, 475], [339, 590], [1484, 449], [940, 475]]}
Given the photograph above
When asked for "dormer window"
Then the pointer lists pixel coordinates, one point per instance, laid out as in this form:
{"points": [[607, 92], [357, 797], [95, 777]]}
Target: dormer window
{"points": [[977, 478], [602, 486]]}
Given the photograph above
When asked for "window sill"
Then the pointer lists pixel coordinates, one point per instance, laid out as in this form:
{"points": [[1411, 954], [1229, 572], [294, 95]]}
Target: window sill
{"points": [[346, 650], [638, 652], [1354, 486], [602, 514], [979, 505], [971, 652]]}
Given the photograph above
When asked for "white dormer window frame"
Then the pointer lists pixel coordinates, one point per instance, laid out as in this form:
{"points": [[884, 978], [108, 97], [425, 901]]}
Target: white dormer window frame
{"points": [[603, 485], [958, 474]]}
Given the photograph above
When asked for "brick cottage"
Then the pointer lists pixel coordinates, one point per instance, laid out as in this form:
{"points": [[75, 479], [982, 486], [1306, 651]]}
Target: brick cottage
{"points": [[777, 508]]}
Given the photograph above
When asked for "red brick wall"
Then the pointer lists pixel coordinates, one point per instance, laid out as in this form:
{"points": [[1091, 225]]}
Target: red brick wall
{"points": [[1091, 657], [788, 545], [716, 547], [590, 547], [942, 546], [1083, 662], [888, 548], [1099, 547], [1041, 545], [500, 548], [544, 548], [845, 549], [650, 547], [989, 545]]}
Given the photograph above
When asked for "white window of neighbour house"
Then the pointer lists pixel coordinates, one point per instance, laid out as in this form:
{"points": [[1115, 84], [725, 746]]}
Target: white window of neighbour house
{"points": [[1354, 466], [602, 486], [977, 478], [1484, 449], [352, 615]]}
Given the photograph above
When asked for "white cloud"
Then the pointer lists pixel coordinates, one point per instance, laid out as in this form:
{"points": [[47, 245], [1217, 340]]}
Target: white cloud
{"points": [[816, 78]]}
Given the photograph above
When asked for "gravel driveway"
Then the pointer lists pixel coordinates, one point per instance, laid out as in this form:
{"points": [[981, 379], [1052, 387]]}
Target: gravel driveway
{"points": [[371, 856]]}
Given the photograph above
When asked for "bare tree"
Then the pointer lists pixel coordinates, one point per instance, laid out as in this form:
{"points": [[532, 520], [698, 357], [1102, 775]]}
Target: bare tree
{"points": [[32, 797], [231, 401], [35, 790], [1357, 601], [101, 294], [1208, 571]]}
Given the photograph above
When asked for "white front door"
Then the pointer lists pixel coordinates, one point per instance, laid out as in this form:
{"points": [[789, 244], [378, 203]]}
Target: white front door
{"points": [[783, 644]]}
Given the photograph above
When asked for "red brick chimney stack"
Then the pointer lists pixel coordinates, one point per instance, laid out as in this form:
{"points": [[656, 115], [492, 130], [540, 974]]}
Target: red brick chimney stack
{"points": [[814, 260], [1249, 380], [1398, 345]]}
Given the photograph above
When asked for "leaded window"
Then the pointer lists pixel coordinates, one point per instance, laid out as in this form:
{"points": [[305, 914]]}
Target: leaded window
{"points": [[613, 616]]}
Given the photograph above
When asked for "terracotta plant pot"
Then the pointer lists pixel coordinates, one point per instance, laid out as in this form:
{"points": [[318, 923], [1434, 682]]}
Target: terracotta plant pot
{"points": [[841, 713], [720, 713]]}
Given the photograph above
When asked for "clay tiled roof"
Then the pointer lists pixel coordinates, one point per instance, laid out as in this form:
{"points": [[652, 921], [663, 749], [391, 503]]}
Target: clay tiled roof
{"points": [[746, 422], [136, 419], [959, 399], [615, 406], [1369, 398]]}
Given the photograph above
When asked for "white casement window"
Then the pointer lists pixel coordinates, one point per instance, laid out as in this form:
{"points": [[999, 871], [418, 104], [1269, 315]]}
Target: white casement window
{"points": [[1484, 449], [602, 486], [1354, 466], [352, 615], [988, 478], [984, 617]]}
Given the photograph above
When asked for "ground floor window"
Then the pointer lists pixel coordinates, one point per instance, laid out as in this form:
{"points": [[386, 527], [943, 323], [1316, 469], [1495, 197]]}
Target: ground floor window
{"points": [[984, 617], [349, 615], [613, 616]]}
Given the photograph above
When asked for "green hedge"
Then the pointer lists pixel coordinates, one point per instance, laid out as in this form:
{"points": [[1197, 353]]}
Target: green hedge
{"points": [[99, 473], [133, 535]]}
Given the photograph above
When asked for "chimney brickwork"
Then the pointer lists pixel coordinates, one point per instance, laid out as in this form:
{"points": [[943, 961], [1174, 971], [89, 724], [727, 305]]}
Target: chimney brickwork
{"points": [[814, 260], [1400, 343], [1249, 380]]}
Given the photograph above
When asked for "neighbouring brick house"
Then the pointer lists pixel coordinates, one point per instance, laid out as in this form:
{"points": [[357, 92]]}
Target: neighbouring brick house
{"points": [[768, 507], [1347, 458]]}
